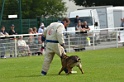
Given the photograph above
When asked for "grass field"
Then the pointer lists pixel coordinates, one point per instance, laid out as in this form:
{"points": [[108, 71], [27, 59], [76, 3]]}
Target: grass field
{"points": [[106, 65]]}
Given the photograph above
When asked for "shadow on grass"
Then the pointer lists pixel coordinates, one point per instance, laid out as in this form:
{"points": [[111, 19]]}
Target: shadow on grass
{"points": [[40, 75], [28, 76]]}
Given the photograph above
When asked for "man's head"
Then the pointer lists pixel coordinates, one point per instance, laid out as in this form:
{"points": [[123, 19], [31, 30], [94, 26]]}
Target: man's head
{"points": [[77, 16], [12, 26], [85, 23], [66, 22], [3, 28], [79, 23], [42, 25], [34, 29], [20, 37]]}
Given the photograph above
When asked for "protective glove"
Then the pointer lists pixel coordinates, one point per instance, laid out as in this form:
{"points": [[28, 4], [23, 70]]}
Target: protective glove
{"points": [[63, 45]]}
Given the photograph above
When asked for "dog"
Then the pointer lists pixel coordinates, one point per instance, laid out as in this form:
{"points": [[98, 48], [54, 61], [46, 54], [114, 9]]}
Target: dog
{"points": [[68, 62]]}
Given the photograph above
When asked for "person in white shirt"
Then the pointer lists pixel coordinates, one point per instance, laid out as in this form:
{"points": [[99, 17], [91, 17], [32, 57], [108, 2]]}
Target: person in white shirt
{"points": [[22, 44], [41, 28]]}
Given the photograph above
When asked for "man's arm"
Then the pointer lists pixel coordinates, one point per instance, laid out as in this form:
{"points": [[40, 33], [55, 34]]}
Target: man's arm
{"points": [[60, 35], [10, 32], [85, 29], [88, 28]]}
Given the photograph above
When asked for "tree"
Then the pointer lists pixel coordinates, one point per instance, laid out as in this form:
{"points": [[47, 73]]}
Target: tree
{"points": [[87, 3], [34, 8]]}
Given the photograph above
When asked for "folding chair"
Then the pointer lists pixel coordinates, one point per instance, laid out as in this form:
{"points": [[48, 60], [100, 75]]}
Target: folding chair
{"points": [[22, 51]]}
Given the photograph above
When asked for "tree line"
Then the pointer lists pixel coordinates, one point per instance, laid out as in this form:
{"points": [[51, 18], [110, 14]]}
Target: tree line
{"points": [[33, 8], [47, 8], [88, 3]]}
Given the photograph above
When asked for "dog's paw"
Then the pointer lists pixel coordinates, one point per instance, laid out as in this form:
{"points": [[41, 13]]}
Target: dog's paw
{"points": [[82, 72]]}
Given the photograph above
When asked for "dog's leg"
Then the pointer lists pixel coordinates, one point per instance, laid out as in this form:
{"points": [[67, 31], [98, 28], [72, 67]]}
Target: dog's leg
{"points": [[61, 70], [80, 67], [69, 69]]}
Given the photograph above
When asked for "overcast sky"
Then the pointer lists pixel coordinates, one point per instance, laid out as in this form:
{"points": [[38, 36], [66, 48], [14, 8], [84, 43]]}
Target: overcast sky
{"points": [[71, 6]]}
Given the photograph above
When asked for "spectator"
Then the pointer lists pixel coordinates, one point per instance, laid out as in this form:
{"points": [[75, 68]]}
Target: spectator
{"points": [[22, 44], [31, 41], [122, 23], [12, 30], [76, 20], [3, 33], [31, 37], [84, 30], [79, 26], [55, 43], [36, 36], [36, 41], [41, 28], [78, 34], [34, 30]]}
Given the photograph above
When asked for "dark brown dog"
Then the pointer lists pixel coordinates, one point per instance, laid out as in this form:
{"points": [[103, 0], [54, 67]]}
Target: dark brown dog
{"points": [[68, 62]]}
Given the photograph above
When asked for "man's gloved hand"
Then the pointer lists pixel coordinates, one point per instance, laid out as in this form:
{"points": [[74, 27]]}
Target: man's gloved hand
{"points": [[63, 45]]}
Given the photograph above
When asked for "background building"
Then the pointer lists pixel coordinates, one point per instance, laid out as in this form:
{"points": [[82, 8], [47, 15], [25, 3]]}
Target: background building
{"points": [[71, 6]]}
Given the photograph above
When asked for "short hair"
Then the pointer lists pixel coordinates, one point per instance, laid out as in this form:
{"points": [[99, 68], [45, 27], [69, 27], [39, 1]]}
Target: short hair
{"points": [[30, 29], [12, 25], [77, 16], [3, 27], [66, 19], [34, 28]]}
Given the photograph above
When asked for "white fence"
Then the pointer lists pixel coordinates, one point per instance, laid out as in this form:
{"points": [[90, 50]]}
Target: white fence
{"points": [[75, 41], [10, 45], [99, 39]]}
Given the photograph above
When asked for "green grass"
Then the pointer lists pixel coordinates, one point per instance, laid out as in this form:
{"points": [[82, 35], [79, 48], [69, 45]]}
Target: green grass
{"points": [[106, 65]]}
